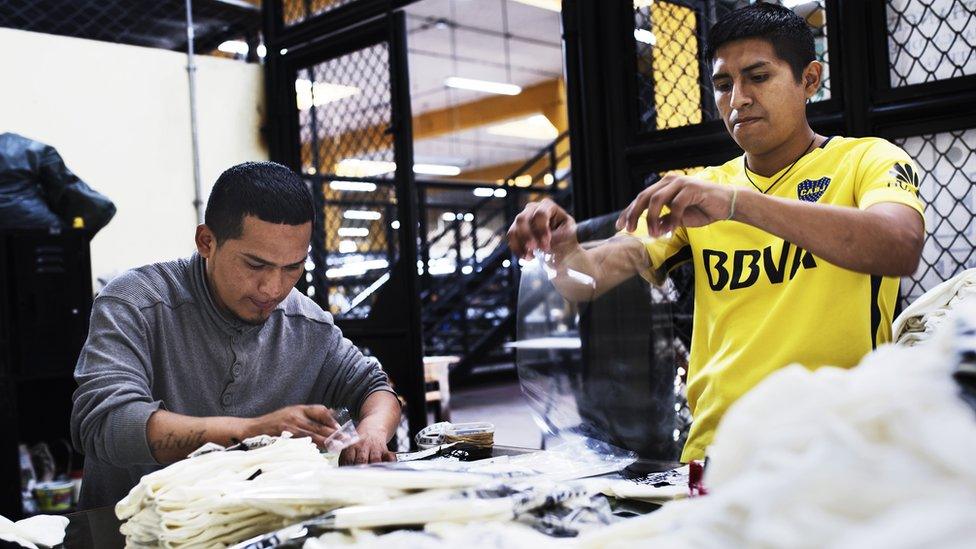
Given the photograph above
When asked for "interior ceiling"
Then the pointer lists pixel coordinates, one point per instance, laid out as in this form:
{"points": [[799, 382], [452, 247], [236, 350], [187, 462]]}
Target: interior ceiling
{"points": [[477, 51]]}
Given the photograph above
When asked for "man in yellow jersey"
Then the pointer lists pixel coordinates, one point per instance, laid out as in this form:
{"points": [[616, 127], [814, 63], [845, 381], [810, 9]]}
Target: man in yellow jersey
{"points": [[797, 245]]}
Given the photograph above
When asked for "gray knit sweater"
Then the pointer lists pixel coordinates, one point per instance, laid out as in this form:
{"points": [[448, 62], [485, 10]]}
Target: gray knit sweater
{"points": [[157, 340]]}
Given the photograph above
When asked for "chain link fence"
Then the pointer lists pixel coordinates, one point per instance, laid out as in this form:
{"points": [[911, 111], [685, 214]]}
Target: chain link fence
{"points": [[155, 24], [930, 40], [297, 11], [673, 79], [947, 162], [345, 113]]}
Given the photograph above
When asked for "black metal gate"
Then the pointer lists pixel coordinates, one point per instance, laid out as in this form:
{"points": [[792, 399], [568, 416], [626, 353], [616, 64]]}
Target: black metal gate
{"points": [[340, 115]]}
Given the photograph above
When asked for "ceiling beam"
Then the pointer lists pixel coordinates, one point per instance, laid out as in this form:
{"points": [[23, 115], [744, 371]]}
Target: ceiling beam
{"points": [[490, 174], [545, 96], [548, 97]]}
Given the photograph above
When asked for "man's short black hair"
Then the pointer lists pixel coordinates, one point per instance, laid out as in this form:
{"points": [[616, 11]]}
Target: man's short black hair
{"points": [[267, 190], [789, 34]]}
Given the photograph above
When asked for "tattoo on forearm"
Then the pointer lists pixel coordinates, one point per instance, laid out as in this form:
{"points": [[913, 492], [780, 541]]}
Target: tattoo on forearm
{"points": [[171, 441]]}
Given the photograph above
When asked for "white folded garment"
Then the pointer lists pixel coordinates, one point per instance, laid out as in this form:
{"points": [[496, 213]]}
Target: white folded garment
{"points": [[43, 530], [917, 322]]}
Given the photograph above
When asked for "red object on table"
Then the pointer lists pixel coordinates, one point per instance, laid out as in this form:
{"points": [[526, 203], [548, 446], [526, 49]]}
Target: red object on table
{"points": [[696, 474]]}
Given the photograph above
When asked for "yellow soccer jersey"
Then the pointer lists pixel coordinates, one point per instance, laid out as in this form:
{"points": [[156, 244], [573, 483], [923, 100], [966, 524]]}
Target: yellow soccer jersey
{"points": [[761, 303]]}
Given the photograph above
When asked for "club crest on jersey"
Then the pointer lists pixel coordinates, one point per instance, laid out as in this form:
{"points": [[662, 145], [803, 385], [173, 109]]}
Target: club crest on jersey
{"points": [[810, 190]]}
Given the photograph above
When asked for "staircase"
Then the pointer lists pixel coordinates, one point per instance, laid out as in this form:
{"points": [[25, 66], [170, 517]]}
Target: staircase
{"points": [[469, 278]]}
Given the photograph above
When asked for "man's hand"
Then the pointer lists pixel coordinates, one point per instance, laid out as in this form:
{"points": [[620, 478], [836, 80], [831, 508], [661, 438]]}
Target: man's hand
{"points": [[371, 448], [692, 203], [542, 226], [302, 420]]}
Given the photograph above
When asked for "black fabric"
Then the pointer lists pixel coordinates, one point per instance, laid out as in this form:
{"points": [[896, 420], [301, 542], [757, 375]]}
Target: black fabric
{"points": [[681, 256], [37, 190], [875, 309]]}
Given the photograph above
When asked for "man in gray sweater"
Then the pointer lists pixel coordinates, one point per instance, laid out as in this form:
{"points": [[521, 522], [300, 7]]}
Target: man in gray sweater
{"points": [[220, 347]]}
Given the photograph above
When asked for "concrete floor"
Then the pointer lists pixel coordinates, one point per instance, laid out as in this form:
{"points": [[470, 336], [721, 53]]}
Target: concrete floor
{"points": [[502, 404]]}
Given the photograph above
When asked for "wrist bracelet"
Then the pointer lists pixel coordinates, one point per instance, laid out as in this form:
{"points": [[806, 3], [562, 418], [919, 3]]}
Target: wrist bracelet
{"points": [[735, 193]]}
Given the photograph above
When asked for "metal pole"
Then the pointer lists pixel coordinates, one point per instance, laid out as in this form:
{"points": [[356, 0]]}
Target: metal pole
{"points": [[191, 72]]}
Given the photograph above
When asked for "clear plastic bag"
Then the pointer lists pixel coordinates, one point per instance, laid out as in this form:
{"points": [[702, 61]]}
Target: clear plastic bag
{"points": [[345, 436], [599, 373]]}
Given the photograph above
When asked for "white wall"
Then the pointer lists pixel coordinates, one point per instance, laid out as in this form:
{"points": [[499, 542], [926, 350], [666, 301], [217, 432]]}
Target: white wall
{"points": [[119, 115]]}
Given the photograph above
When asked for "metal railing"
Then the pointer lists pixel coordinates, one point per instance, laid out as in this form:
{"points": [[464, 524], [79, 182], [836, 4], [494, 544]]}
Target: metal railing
{"points": [[469, 279]]}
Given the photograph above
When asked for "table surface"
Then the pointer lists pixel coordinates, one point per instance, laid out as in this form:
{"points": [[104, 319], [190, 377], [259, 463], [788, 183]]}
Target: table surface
{"points": [[99, 528]]}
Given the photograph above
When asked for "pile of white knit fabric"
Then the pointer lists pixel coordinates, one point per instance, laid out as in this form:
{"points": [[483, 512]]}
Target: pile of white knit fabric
{"points": [[923, 317], [882, 455]]}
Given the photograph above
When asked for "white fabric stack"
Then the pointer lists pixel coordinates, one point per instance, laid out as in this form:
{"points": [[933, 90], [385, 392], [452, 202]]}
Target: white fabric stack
{"points": [[200, 501], [881, 455], [922, 318], [219, 498]]}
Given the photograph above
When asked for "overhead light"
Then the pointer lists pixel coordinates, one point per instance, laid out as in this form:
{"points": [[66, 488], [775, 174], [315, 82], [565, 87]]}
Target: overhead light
{"points": [[548, 179], [441, 266], [321, 92], [355, 167], [482, 85], [645, 36], [448, 216], [484, 192], [639, 3], [353, 231], [358, 268], [467, 269], [500, 193], [524, 180], [348, 247], [436, 169], [395, 224], [237, 47], [262, 50], [361, 214], [469, 216], [551, 5], [354, 186], [535, 127]]}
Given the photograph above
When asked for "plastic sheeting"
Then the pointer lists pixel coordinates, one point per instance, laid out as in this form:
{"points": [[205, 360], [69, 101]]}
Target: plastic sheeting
{"points": [[599, 374]]}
